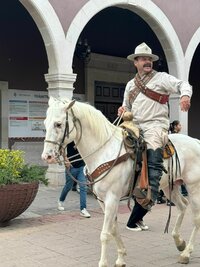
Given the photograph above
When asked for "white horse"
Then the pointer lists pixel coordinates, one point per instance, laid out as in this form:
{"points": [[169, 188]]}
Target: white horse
{"points": [[99, 142]]}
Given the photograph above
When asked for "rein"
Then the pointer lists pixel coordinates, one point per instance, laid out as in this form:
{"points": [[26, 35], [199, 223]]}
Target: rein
{"points": [[111, 165], [93, 152], [114, 162], [61, 148]]}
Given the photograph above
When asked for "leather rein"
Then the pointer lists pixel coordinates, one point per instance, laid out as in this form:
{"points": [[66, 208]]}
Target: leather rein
{"points": [[103, 168]]}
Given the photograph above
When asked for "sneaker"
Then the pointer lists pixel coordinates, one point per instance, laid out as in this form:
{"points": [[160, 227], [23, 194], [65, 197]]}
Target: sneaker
{"points": [[142, 225], [61, 205], [136, 228], [85, 213]]}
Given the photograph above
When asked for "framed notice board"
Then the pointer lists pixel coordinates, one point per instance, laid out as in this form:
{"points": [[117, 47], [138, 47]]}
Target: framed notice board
{"points": [[27, 111]]}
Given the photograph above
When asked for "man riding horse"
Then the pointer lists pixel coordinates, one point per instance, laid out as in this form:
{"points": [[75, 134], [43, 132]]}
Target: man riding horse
{"points": [[147, 96]]}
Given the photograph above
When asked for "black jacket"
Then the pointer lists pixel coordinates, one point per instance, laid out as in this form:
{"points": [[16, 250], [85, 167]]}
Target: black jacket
{"points": [[71, 151]]}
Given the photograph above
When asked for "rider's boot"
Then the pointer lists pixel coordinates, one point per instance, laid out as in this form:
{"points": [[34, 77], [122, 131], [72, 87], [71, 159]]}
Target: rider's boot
{"points": [[137, 214], [155, 169]]}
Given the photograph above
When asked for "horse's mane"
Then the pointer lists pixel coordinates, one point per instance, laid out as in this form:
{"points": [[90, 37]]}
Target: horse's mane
{"points": [[98, 123]]}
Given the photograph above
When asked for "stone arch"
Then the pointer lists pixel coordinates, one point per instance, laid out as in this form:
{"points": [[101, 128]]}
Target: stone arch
{"points": [[52, 33], [192, 46], [191, 71], [152, 14]]}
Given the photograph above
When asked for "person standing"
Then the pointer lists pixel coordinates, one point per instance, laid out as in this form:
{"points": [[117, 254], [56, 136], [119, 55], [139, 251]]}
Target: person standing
{"points": [[175, 127], [147, 96], [76, 170]]}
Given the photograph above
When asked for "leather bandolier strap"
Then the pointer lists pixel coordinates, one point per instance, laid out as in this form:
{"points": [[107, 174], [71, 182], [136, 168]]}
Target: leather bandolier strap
{"points": [[142, 88]]}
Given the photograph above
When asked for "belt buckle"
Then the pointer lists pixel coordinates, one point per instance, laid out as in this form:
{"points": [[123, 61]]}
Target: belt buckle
{"points": [[160, 99]]}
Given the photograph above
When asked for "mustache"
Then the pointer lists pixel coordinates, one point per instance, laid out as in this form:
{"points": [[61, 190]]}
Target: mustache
{"points": [[147, 65]]}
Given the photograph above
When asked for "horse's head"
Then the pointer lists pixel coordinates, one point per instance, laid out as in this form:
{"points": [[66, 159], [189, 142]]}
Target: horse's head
{"points": [[60, 124]]}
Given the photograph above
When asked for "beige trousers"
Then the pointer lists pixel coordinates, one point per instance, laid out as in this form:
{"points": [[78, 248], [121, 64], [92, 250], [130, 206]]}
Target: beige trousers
{"points": [[156, 138]]}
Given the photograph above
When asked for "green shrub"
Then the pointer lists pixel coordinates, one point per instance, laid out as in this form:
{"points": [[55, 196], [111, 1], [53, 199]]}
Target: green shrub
{"points": [[13, 170]]}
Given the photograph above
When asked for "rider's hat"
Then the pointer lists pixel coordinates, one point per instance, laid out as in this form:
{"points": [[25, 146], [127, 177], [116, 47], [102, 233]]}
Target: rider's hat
{"points": [[143, 50]]}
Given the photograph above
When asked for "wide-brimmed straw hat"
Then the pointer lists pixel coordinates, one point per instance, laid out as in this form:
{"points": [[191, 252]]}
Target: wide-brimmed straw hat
{"points": [[143, 50]]}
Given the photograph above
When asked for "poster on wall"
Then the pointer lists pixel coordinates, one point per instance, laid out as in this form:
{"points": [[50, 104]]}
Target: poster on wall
{"points": [[27, 111]]}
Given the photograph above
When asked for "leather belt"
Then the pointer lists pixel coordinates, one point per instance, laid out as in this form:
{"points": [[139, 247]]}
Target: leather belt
{"points": [[161, 98]]}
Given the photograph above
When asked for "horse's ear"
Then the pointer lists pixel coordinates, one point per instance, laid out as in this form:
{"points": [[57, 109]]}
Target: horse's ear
{"points": [[71, 104]]}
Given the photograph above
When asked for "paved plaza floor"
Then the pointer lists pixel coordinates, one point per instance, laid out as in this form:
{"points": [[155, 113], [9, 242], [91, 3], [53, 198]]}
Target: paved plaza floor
{"points": [[45, 237]]}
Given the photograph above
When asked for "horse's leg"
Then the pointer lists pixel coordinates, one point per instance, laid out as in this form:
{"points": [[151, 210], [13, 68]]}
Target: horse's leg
{"points": [[121, 251], [120, 246], [181, 205], [101, 203], [109, 230], [195, 207], [185, 255]]}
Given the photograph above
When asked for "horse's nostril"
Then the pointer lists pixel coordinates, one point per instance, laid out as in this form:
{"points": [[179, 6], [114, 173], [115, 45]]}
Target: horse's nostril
{"points": [[49, 157]]}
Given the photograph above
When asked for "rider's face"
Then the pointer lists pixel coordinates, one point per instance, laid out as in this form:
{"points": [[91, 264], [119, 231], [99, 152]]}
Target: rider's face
{"points": [[144, 65]]}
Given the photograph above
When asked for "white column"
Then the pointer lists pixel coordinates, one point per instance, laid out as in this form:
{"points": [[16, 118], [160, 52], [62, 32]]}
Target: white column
{"points": [[59, 86], [4, 114], [174, 107]]}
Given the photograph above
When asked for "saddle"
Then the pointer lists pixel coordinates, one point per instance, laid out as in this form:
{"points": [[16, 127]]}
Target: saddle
{"points": [[139, 187], [129, 125]]}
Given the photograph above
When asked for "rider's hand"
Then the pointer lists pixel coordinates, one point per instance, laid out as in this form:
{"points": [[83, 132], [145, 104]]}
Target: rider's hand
{"points": [[120, 111], [185, 103]]}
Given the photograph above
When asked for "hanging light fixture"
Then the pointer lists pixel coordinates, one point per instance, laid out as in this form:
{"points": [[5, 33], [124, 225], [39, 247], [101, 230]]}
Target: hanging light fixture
{"points": [[83, 50]]}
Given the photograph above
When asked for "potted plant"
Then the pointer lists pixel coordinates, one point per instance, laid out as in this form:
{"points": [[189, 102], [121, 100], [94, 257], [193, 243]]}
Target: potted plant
{"points": [[19, 183]]}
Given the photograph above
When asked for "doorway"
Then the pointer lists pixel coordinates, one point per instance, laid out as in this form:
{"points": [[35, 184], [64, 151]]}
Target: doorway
{"points": [[108, 98]]}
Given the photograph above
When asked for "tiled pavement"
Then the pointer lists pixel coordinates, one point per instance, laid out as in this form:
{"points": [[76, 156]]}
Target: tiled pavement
{"points": [[44, 237]]}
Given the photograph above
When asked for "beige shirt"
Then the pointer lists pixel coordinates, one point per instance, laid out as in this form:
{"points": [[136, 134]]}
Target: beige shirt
{"points": [[149, 113]]}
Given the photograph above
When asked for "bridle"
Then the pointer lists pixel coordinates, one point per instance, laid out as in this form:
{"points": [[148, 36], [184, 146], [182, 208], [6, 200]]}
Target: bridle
{"points": [[61, 145]]}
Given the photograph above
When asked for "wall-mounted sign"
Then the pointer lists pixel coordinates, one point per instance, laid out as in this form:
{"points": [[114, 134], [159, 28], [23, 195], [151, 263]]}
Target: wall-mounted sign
{"points": [[27, 111]]}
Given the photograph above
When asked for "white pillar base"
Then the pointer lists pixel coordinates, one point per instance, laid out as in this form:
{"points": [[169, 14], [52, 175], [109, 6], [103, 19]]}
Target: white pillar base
{"points": [[56, 174], [60, 85]]}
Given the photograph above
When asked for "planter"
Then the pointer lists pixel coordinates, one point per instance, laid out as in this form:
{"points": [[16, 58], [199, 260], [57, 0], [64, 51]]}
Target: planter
{"points": [[15, 199]]}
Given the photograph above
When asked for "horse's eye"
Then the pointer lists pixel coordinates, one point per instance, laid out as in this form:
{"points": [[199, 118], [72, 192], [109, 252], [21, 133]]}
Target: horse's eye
{"points": [[58, 124]]}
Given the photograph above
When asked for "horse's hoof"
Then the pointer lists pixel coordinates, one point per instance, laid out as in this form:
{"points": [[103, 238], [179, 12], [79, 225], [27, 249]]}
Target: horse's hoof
{"points": [[117, 265], [183, 260], [182, 246]]}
